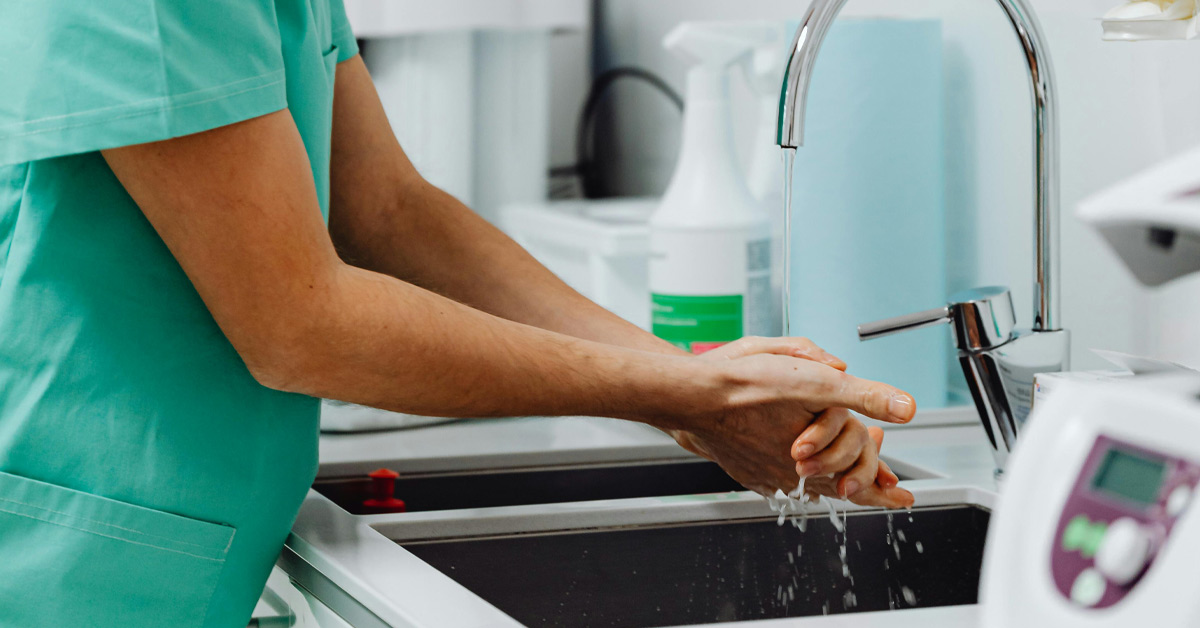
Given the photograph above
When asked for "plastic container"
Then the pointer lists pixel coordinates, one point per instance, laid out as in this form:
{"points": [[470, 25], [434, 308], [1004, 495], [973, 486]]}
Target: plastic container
{"points": [[599, 247]]}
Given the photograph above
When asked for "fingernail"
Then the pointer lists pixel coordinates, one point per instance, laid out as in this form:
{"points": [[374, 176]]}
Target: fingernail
{"points": [[805, 450], [852, 487], [810, 468], [901, 407]]}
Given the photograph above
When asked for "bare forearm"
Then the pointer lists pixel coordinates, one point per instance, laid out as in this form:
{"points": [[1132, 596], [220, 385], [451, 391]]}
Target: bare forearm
{"points": [[386, 218], [430, 239], [387, 344]]}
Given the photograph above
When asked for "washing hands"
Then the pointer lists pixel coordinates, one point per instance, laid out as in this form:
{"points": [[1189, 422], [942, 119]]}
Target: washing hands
{"points": [[787, 415]]}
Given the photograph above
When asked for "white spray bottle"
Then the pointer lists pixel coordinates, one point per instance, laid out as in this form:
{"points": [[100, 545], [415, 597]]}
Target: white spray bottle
{"points": [[710, 240]]}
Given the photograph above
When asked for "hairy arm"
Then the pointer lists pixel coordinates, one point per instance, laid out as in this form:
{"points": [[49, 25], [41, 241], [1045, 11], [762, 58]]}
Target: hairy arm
{"points": [[385, 217], [237, 207]]}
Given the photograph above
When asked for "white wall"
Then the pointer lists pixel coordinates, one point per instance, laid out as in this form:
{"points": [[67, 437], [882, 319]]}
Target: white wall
{"points": [[1123, 106]]}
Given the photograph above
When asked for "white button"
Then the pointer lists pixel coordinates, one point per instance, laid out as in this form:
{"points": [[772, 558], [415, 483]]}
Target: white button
{"points": [[1178, 500], [1088, 588], [1124, 552]]}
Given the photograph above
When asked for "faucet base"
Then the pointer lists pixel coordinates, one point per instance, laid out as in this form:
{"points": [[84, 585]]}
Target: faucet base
{"points": [[1001, 383]]}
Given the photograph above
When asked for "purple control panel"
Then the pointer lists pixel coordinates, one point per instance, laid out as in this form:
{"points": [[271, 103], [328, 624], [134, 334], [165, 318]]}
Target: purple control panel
{"points": [[1118, 480]]}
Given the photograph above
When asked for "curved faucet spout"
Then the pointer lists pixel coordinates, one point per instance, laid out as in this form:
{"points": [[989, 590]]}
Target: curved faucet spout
{"points": [[816, 23]]}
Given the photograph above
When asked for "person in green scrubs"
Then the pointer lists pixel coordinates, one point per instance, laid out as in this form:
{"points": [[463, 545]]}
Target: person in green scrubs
{"points": [[206, 225]]}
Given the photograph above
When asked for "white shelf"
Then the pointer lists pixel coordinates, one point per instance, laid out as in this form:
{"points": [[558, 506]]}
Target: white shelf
{"points": [[389, 18], [1151, 30]]}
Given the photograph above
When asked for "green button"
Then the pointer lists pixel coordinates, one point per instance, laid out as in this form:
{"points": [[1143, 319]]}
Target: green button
{"points": [[1095, 536], [1076, 533]]}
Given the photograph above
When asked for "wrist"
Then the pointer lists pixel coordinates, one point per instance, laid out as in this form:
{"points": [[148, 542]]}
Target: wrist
{"points": [[687, 394]]}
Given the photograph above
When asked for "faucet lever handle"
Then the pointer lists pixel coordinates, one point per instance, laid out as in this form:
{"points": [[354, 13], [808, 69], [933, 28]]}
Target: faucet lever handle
{"points": [[908, 322], [983, 319]]}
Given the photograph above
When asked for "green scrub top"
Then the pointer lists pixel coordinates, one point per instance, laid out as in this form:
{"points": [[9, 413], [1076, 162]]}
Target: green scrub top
{"points": [[146, 479]]}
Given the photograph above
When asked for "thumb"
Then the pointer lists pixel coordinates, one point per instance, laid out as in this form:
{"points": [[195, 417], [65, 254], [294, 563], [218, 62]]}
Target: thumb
{"points": [[873, 399]]}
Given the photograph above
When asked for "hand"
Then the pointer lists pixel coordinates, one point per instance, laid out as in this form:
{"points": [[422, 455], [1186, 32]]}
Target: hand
{"points": [[864, 478], [802, 348], [773, 389]]}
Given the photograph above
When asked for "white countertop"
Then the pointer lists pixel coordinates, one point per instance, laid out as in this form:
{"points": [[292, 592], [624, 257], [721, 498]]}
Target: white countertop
{"points": [[502, 443], [354, 559]]}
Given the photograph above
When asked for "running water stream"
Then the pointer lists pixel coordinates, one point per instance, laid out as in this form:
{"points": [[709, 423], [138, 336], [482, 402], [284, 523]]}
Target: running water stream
{"points": [[789, 161]]}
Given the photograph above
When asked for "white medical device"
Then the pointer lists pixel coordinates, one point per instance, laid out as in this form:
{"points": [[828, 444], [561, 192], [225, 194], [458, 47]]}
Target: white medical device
{"points": [[1096, 525]]}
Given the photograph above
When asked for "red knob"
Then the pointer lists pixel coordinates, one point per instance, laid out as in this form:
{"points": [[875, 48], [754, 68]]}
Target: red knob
{"points": [[383, 487]]}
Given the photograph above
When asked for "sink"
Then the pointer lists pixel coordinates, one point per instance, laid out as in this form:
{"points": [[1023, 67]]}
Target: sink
{"points": [[667, 574], [520, 487], [545, 485]]}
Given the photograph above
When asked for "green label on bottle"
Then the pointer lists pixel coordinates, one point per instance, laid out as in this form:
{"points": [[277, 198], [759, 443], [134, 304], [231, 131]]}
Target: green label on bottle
{"points": [[697, 324]]}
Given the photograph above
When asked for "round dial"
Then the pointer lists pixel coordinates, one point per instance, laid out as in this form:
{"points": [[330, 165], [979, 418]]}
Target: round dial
{"points": [[1124, 552]]}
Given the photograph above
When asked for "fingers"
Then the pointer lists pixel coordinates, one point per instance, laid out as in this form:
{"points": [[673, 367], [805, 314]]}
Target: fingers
{"points": [[861, 475], [844, 451], [868, 470], [794, 347], [875, 495], [820, 433], [884, 477], [873, 399]]}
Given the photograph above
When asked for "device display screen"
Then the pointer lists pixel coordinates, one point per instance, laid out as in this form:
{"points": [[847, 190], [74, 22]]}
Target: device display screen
{"points": [[1129, 476]]}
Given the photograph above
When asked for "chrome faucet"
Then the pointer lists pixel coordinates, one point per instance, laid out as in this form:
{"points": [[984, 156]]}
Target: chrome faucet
{"points": [[999, 361]]}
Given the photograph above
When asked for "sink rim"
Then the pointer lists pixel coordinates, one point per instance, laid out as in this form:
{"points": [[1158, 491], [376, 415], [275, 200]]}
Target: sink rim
{"points": [[908, 471], [822, 512], [535, 518], [355, 565]]}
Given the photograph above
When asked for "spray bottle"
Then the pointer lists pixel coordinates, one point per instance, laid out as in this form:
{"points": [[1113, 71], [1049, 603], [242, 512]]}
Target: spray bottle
{"points": [[710, 240]]}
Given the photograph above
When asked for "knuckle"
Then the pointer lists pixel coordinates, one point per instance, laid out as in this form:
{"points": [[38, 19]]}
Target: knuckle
{"points": [[860, 430], [862, 475], [873, 399], [832, 384]]}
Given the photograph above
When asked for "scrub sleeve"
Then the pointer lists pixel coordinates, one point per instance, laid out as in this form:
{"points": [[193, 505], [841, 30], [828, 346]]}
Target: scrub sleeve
{"points": [[146, 479]]}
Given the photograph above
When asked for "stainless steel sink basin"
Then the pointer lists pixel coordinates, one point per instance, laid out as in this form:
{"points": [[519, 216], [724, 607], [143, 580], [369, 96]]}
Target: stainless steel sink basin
{"points": [[680, 573], [546, 485]]}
